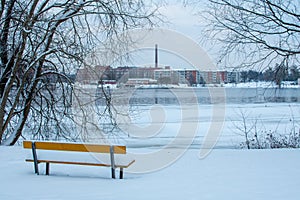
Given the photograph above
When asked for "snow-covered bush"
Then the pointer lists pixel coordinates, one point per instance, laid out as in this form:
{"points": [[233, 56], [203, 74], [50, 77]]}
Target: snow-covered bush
{"points": [[272, 140], [258, 137]]}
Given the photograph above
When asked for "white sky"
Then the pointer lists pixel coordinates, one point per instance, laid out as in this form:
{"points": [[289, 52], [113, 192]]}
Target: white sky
{"points": [[182, 19]]}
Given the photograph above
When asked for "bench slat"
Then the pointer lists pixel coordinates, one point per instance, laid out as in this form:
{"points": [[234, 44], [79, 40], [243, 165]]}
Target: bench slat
{"points": [[74, 147], [79, 163]]}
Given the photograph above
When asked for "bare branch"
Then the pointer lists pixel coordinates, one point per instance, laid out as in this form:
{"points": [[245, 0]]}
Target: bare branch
{"points": [[264, 29]]}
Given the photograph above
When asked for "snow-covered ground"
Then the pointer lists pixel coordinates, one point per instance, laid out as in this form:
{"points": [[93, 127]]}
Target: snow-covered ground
{"points": [[259, 84], [263, 84], [223, 174], [175, 173]]}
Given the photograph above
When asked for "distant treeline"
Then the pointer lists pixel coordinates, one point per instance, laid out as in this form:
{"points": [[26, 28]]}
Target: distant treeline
{"points": [[277, 74]]}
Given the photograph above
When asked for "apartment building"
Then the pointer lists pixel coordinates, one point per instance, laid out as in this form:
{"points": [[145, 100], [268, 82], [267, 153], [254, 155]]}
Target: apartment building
{"points": [[165, 75]]}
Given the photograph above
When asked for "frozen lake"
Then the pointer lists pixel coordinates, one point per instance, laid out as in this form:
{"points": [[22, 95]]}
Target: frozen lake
{"points": [[194, 117], [159, 128], [204, 95]]}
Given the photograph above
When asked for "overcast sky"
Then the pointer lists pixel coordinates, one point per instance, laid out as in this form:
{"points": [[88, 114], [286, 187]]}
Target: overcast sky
{"points": [[184, 20]]}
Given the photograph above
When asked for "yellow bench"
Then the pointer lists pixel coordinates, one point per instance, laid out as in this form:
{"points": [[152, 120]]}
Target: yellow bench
{"points": [[78, 147]]}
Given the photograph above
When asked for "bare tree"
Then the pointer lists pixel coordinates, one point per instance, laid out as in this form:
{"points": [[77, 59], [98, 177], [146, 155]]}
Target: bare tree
{"points": [[41, 41], [256, 33], [245, 128]]}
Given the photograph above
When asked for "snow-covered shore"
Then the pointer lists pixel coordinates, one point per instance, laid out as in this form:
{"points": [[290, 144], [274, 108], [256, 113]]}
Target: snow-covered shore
{"points": [[223, 174], [262, 84]]}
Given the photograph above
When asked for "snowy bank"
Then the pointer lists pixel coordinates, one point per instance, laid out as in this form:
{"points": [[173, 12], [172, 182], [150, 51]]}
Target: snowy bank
{"points": [[223, 174]]}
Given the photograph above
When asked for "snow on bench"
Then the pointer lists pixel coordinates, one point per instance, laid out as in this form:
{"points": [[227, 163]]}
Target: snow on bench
{"points": [[113, 156]]}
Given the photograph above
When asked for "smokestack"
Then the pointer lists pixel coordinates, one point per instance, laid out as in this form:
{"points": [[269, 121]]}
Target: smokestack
{"points": [[156, 56]]}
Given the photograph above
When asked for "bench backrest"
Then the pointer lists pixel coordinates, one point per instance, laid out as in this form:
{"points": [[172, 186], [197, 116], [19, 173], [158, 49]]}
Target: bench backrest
{"points": [[59, 146]]}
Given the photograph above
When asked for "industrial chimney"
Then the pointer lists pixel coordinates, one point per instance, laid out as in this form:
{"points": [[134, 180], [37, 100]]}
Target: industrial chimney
{"points": [[156, 56]]}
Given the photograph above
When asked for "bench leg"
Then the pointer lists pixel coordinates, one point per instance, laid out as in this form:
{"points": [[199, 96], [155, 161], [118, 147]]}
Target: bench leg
{"points": [[121, 173], [35, 161], [112, 160], [36, 168], [47, 168], [113, 172]]}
